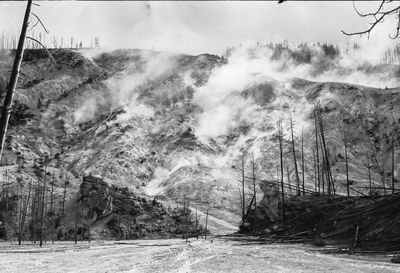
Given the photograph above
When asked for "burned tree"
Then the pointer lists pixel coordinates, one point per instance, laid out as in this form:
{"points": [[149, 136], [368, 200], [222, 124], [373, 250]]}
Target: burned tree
{"points": [[6, 110], [294, 157], [253, 177], [281, 168], [345, 136]]}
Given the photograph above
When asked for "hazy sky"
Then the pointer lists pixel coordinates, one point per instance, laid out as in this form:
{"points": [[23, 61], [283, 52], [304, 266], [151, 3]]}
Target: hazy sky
{"points": [[195, 27]]}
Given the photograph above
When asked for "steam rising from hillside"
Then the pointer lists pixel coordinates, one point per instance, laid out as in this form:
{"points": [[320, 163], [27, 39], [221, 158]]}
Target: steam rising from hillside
{"points": [[225, 107], [255, 77], [123, 87]]}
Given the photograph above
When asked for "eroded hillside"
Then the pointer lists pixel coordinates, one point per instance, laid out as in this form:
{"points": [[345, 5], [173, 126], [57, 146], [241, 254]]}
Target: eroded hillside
{"points": [[175, 126]]}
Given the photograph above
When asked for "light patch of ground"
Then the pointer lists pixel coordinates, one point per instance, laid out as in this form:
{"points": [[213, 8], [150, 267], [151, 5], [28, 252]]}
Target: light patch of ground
{"points": [[174, 255]]}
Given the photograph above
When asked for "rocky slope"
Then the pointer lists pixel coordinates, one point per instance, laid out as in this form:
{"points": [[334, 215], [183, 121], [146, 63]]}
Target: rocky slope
{"points": [[174, 126]]}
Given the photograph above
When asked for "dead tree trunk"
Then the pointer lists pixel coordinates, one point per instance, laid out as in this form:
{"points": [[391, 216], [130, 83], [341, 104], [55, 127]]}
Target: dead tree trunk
{"points": [[281, 163], [302, 161], [315, 173], [76, 222], [393, 191], [205, 236], [65, 191], [253, 172], [42, 212], [52, 210], [6, 110], [317, 150], [329, 179], [25, 209], [243, 197], [288, 178], [347, 166], [34, 212], [369, 176], [294, 158]]}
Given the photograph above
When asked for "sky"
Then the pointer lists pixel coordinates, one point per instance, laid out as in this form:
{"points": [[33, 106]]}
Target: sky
{"points": [[197, 27]]}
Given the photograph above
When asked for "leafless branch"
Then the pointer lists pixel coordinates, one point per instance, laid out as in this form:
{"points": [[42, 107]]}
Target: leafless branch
{"points": [[40, 21], [371, 13], [37, 22], [397, 29], [378, 16], [48, 52]]}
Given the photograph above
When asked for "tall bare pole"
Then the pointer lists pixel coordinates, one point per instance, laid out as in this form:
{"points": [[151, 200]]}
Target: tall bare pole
{"points": [[6, 110], [205, 236], [317, 150], [281, 163], [253, 169], [393, 163], [369, 176], [347, 166], [64, 193], [243, 180], [42, 211], [294, 157], [328, 173], [52, 209], [302, 160]]}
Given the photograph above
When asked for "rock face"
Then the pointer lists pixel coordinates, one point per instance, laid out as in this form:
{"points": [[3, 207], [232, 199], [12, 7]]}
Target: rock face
{"points": [[115, 212], [270, 202]]}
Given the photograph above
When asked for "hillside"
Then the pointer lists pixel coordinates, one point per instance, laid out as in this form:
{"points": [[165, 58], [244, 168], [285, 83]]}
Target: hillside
{"points": [[174, 126]]}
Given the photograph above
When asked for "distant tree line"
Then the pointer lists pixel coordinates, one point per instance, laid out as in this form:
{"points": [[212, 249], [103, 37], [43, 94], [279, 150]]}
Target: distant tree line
{"points": [[8, 41]]}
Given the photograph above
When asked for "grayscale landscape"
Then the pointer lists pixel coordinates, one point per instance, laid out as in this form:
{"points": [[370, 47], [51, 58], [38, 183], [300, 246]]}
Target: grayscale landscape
{"points": [[262, 155]]}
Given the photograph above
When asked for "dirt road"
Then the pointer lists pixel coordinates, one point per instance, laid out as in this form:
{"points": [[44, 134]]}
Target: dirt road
{"points": [[174, 255]]}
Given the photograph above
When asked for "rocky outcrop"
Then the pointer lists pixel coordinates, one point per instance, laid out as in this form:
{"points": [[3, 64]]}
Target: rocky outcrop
{"points": [[125, 215]]}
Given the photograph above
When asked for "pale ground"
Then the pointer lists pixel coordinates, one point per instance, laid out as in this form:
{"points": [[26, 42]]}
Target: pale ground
{"points": [[175, 255]]}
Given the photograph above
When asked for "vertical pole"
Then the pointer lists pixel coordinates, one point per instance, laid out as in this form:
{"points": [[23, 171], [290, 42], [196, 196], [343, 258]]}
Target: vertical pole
{"points": [[369, 176], [243, 200], [76, 222], [205, 237], [302, 159], [294, 158], [347, 166], [281, 163], [393, 163], [253, 167], [43, 201]]}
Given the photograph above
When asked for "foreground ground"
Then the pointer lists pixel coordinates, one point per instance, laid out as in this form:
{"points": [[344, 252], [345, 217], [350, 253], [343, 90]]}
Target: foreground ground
{"points": [[174, 255]]}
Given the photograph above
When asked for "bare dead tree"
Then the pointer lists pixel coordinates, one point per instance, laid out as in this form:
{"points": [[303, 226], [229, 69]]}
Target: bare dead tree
{"points": [[315, 173], [288, 178], [281, 168], [369, 176], [34, 211], [345, 142], [42, 211], [206, 230], [6, 110], [395, 126], [64, 193], [52, 209], [385, 9], [294, 157], [253, 176], [327, 170], [76, 222], [243, 163], [24, 212], [302, 160], [393, 148]]}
